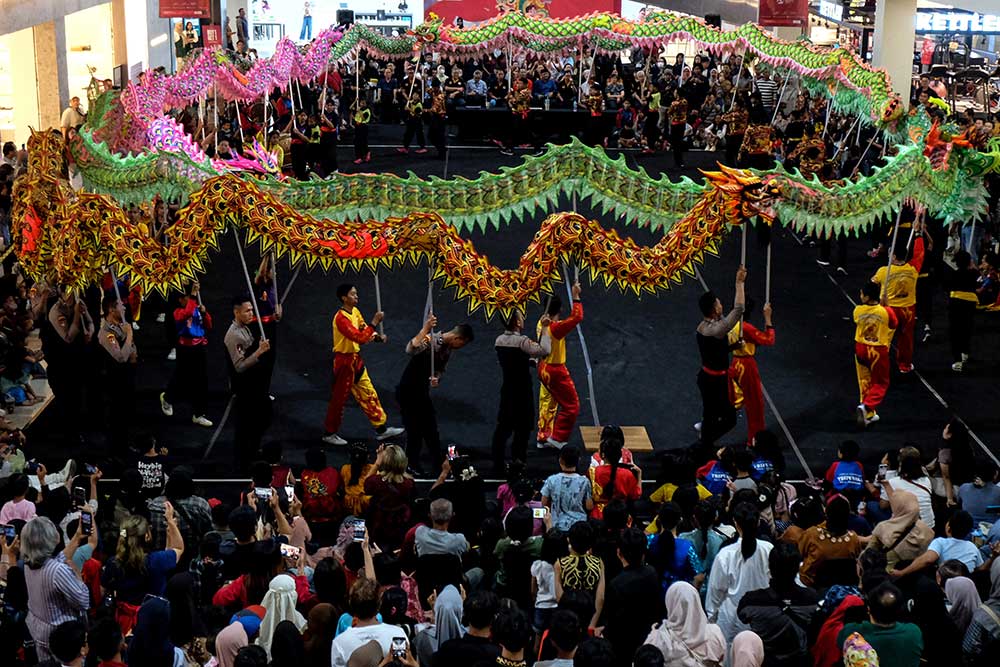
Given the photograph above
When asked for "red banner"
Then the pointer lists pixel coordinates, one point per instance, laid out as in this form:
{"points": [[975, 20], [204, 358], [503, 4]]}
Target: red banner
{"points": [[185, 9], [211, 35], [475, 11], [783, 13], [927, 51]]}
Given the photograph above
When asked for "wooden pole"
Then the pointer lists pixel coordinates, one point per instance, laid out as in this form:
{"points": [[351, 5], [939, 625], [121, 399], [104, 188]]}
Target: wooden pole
{"points": [[583, 348], [246, 274], [378, 303], [767, 274], [892, 247]]}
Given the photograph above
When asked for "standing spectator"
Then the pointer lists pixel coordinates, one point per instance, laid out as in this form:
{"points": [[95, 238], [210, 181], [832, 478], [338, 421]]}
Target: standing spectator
{"points": [[353, 474], [768, 90], [67, 643], [115, 338], [322, 489], [72, 117], [56, 593], [150, 643], [190, 379], [391, 490], [363, 602], [513, 633], [242, 27], [65, 337], [476, 646], [191, 512], [581, 570], [567, 493], [633, 601]]}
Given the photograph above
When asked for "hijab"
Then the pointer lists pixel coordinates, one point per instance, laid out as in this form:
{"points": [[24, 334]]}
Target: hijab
{"points": [[447, 624], [963, 601], [228, 643], [685, 637], [905, 517], [287, 647], [858, 652], [279, 601], [320, 629], [748, 650], [150, 645], [826, 652]]}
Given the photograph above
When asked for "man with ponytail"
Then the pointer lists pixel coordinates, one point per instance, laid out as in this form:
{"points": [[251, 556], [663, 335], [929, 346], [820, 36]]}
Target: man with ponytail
{"points": [[738, 569]]}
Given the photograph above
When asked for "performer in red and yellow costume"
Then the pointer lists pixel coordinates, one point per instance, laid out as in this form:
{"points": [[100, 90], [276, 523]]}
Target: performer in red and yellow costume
{"points": [[902, 296], [872, 335], [558, 403], [745, 388], [350, 377]]}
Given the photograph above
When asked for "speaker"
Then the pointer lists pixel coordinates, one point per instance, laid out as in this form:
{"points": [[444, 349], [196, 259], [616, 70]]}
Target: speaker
{"points": [[345, 16], [714, 20]]}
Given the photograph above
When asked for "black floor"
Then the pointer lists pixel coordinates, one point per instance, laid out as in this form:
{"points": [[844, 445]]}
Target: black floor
{"points": [[643, 351]]}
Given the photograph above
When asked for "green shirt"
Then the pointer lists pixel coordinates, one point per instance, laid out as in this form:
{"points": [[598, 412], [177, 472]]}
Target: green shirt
{"points": [[898, 646], [533, 548]]}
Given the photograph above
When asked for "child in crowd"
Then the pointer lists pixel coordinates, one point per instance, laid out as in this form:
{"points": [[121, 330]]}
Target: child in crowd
{"points": [[567, 494], [846, 473], [361, 120], [543, 578]]}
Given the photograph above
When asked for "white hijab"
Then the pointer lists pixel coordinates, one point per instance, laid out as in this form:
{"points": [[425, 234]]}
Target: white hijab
{"points": [[279, 601], [685, 637]]}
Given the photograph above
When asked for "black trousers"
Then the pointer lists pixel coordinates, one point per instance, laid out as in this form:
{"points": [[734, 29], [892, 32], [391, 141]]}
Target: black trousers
{"points": [[414, 128], [328, 153], [253, 417], [190, 379], [925, 299], [420, 422], [825, 249], [65, 375], [515, 420], [960, 315], [718, 415], [119, 396], [676, 142], [300, 160], [733, 143], [437, 133]]}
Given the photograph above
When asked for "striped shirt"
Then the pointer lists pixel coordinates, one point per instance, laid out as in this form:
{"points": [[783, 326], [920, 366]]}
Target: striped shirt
{"points": [[55, 595], [768, 90]]}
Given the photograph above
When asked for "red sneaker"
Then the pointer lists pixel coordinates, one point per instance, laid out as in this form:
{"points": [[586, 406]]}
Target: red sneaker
{"points": [[368, 158], [358, 161], [420, 151], [403, 151]]}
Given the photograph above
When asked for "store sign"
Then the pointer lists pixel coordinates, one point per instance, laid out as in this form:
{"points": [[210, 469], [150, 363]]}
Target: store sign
{"points": [[783, 13], [182, 9], [211, 35], [957, 22], [831, 10]]}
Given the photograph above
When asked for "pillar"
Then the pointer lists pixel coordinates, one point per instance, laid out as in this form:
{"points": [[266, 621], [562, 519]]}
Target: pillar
{"points": [[50, 73], [894, 37]]}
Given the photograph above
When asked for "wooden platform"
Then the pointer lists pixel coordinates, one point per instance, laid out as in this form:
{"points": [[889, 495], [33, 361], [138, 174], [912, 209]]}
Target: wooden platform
{"points": [[23, 415], [636, 438]]}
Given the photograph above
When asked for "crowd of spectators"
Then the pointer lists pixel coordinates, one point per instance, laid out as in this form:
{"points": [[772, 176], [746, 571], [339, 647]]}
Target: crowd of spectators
{"points": [[722, 563]]}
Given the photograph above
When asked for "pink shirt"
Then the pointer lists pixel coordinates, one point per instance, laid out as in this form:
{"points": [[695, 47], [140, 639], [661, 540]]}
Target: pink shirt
{"points": [[24, 510]]}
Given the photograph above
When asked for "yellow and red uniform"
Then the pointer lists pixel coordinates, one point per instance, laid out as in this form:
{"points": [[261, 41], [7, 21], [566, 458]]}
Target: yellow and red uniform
{"points": [[745, 386], [558, 403], [902, 295], [872, 335], [350, 378]]}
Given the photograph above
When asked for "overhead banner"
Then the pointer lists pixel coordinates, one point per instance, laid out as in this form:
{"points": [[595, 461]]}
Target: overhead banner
{"points": [[183, 9], [783, 13]]}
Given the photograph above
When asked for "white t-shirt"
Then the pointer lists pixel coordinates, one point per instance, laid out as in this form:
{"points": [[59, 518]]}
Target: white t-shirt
{"points": [[545, 580], [351, 639], [923, 495]]}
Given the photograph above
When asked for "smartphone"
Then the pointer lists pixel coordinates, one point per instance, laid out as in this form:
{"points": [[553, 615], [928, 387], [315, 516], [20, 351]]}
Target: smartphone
{"points": [[359, 531], [79, 497], [538, 512], [398, 647], [10, 533], [882, 470], [289, 492], [262, 492], [86, 523], [90, 469], [31, 468], [452, 452], [288, 551]]}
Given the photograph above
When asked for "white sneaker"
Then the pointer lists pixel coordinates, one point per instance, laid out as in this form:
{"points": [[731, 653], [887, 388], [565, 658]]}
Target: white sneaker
{"points": [[333, 439], [555, 444], [872, 418], [390, 432], [271, 396], [135, 326], [957, 367], [965, 357], [201, 420], [697, 426], [172, 355], [161, 318], [167, 409], [861, 414]]}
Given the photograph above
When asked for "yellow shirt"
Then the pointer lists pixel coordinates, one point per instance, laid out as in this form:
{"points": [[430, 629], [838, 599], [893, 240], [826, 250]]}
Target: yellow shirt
{"points": [[558, 331], [664, 494], [902, 284], [350, 331], [874, 325]]}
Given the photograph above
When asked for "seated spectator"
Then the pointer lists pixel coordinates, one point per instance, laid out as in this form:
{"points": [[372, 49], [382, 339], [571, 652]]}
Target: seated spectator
{"points": [[447, 625], [564, 633], [614, 480], [633, 601], [913, 478], [543, 578], [566, 91], [977, 496], [982, 639], [512, 632], [475, 90], [321, 489], [685, 637], [436, 539], [846, 473], [191, 512], [904, 536], [829, 541], [150, 643], [477, 645], [68, 642], [17, 508], [454, 89], [105, 641], [353, 476], [674, 558], [956, 545], [544, 88], [365, 626], [779, 613], [896, 644]]}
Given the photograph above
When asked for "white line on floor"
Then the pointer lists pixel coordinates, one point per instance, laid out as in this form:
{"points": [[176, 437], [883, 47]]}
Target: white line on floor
{"points": [[934, 392]]}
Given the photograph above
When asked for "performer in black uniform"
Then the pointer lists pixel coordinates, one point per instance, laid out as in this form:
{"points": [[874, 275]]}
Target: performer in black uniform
{"points": [[718, 413], [516, 416]]}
